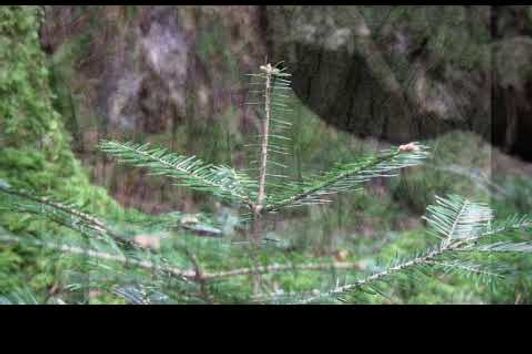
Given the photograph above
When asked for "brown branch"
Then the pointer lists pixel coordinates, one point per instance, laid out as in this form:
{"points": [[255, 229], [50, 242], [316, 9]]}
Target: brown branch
{"points": [[185, 274], [276, 268], [265, 133], [195, 274], [199, 277]]}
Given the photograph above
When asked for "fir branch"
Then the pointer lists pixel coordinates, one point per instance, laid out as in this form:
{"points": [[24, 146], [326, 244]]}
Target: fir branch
{"points": [[22, 296], [62, 214], [509, 225], [193, 173], [274, 80], [277, 268], [265, 134], [460, 224], [456, 218], [460, 231], [350, 176], [525, 247], [196, 273], [459, 267], [94, 222], [105, 256], [425, 258]]}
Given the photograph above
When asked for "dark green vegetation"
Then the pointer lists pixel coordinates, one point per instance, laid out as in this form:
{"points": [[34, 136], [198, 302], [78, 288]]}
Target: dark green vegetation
{"points": [[359, 230], [35, 152]]}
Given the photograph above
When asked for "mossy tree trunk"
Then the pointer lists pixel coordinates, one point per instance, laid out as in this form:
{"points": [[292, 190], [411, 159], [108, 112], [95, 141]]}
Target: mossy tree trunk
{"points": [[35, 148], [35, 152]]}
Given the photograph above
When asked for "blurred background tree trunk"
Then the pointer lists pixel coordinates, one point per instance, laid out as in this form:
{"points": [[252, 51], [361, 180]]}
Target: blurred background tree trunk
{"points": [[169, 74]]}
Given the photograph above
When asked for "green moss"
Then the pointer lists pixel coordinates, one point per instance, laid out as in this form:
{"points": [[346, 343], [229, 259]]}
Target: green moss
{"points": [[35, 145], [35, 152]]}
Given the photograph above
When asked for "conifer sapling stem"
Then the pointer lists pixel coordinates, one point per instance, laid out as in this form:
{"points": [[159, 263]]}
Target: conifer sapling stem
{"points": [[265, 127]]}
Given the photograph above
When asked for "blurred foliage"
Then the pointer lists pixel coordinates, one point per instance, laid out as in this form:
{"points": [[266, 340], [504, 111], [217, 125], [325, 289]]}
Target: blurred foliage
{"points": [[35, 149], [455, 36], [35, 154]]}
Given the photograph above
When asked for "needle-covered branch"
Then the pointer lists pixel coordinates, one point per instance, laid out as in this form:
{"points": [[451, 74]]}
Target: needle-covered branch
{"points": [[194, 273], [350, 176], [463, 227], [60, 213], [221, 181]]}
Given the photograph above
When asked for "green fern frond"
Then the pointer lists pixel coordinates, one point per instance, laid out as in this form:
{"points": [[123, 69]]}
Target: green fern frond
{"points": [[221, 181]]}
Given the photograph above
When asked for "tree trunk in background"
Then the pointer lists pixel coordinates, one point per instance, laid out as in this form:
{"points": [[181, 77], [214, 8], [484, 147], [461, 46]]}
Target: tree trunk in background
{"points": [[404, 73], [141, 66], [168, 74], [391, 72], [163, 73]]}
